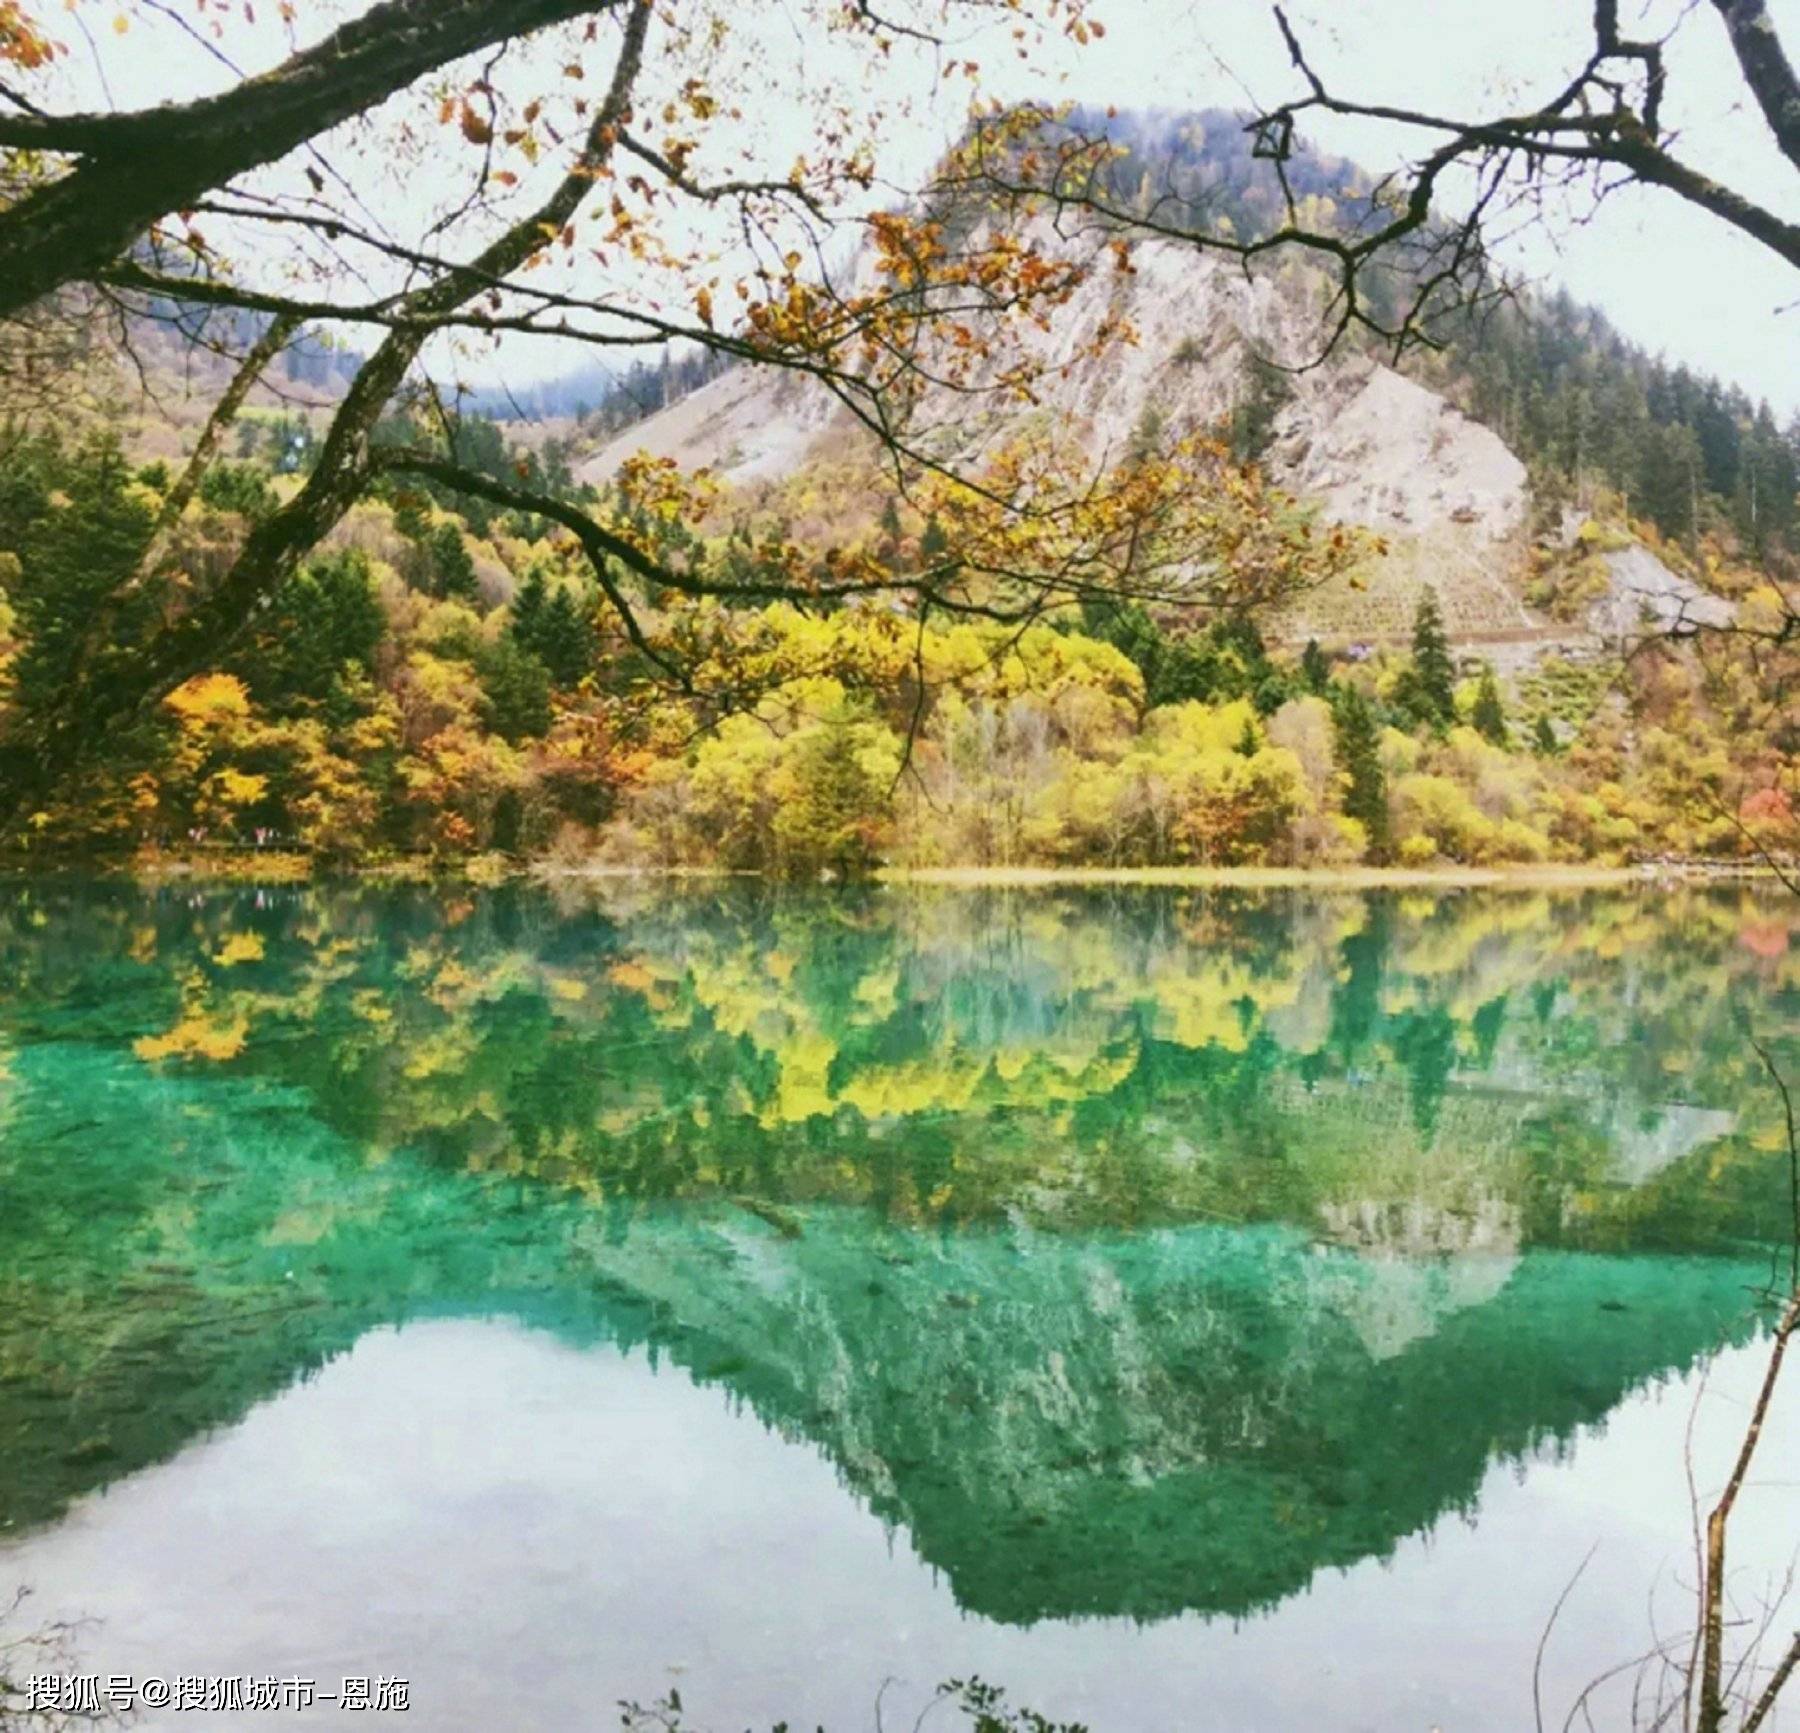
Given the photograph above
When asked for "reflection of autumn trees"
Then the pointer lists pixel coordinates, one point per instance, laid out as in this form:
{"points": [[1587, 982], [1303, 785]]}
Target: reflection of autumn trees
{"points": [[1080, 1057]]}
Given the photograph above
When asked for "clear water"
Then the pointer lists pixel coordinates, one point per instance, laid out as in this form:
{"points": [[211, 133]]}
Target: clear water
{"points": [[1188, 1310]]}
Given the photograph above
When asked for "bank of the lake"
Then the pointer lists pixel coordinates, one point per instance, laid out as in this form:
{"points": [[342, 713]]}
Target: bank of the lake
{"points": [[1571, 877], [273, 867]]}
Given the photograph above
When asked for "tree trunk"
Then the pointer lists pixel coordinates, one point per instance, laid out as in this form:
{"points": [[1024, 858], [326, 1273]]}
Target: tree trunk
{"points": [[135, 168]]}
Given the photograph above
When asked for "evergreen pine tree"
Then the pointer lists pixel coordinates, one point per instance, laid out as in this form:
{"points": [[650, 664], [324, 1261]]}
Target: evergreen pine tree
{"points": [[516, 688], [1315, 667], [837, 803], [565, 642], [1545, 736], [1271, 692], [1433, 685], [409, 517], [1489, 715], [528, 606], [1264, 393], [1358, 755], [238, 487], [71, 558], [322, 623], [452, 570]]}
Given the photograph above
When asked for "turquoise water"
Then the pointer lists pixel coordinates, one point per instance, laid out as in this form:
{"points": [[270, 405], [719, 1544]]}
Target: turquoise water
{"points": [[1186, 1309]]}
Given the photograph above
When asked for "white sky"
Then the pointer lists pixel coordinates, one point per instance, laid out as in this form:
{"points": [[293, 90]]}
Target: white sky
{"points": [[1669, 277]]}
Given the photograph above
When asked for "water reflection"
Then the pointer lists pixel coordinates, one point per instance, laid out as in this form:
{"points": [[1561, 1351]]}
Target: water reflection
{"points": [[529, 1531], [1130, 1254]]}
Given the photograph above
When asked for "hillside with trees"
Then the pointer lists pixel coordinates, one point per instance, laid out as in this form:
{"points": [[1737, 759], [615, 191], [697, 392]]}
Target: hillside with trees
{"points": [[505, 648], [1585, 408], [444, 681]]}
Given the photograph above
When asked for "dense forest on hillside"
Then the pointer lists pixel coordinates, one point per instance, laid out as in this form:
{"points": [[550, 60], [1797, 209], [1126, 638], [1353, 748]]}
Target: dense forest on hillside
{"points": [[1585, 407], [448, 681]]}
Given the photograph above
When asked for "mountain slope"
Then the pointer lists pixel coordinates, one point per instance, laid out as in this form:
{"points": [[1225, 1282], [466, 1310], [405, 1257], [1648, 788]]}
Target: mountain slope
{"points": [[1365, 444]]}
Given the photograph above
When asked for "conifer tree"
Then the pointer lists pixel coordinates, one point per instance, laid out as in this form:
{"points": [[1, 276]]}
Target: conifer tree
{"points": [[552, 626], [322, 624], [238, 487], [1265, 391], [1315, 667], [1489, 715], [80, 527], [1431, 693], [565, 641], [409, 517], [528, 605], [1359, 758], [837, 801], [452, 570], [516, 688]]}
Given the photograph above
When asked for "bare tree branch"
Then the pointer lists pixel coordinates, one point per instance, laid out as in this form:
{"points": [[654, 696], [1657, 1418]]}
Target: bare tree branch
{"points": [[134, 168]]}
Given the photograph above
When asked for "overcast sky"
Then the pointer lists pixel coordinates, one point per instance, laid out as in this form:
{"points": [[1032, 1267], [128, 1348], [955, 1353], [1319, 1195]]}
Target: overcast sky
{"points": [[1670, 277]]}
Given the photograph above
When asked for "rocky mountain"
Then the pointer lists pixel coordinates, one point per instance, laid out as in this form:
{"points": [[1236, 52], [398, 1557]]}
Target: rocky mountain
{"points": [[1362, 442]]}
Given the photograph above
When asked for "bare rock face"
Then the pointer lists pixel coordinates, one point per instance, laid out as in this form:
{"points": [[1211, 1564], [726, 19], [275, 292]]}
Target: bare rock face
{"points": [[1374, 448], [1369, 446], [1353, 438], [1645, 598], [747, 425]]}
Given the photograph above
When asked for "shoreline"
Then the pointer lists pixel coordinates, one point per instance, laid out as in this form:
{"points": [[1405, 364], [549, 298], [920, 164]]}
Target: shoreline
{"points": [[1338, 878], [1572, 876], [287, 869]]}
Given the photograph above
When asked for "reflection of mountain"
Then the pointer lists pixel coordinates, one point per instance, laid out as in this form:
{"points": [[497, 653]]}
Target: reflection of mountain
{"points": [[1196, 1417], [1134, 1254], [1190, 1419]]}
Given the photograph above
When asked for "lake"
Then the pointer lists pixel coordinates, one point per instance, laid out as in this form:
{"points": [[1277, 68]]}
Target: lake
{"points": [[1186, 1310]]}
